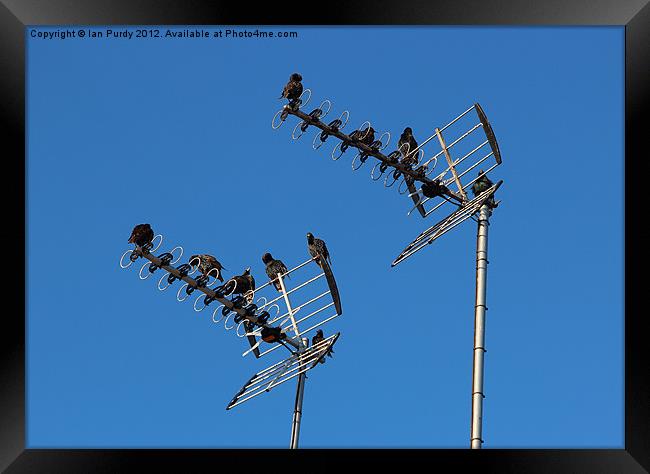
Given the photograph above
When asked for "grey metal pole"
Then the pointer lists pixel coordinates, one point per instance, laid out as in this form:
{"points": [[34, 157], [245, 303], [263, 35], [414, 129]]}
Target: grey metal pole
{"points": [[479, 326], [297, 411]]}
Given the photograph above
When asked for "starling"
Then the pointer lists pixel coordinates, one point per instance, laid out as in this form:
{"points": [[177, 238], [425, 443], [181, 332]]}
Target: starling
{"points": [[293, 89], [243, 283], [273, 267], [483, 183], [141, 235], [365, 136], [272, 334], [208, 265], [434, 189], [250, 327], [318, 338], [318, 249], [410, 157]]}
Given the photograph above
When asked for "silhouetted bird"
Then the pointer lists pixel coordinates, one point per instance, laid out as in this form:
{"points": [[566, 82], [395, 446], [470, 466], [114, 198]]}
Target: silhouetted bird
{"points": [[483, 183], [317, 249], [273, 267], [242, 283], [272, 334], [293, 89], [141, 235], [208, 265], [318, 338], [365, 136], [406, 145], [434, 189], [368, 137]]}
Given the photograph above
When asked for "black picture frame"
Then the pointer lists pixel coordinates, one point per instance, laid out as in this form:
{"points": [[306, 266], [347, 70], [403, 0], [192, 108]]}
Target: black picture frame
{"points": [[15, 15]]}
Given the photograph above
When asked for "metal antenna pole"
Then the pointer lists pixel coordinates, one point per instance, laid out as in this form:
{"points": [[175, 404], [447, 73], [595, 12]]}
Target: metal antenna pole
{"points": [[479, 326], [297, 411], [482, 202]]}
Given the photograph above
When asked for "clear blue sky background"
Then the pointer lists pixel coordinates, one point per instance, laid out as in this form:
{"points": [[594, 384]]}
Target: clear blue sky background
{"points": [[173, 132]]}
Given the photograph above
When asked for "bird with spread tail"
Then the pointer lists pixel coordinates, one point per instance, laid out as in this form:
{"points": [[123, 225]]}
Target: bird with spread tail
{"points": [[208, 265], [141, 235], [273, 267]]}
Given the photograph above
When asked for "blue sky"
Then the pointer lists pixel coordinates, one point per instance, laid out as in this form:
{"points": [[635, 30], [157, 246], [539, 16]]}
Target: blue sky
{"points": [[178, 133]]}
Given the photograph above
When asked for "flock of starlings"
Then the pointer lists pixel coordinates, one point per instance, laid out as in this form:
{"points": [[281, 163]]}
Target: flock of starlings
{"points": [[142, 234]]}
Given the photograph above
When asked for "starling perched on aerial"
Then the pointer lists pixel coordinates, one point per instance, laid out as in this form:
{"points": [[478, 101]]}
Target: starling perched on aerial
{"points": [[434, 189], [243, 283], [318, 249], [483, 183], [410, 157], [293, 89], [273, 267], [273, 334], [365, 136], [208, 265], [318, 338], [141, 235], [369, 136]]}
